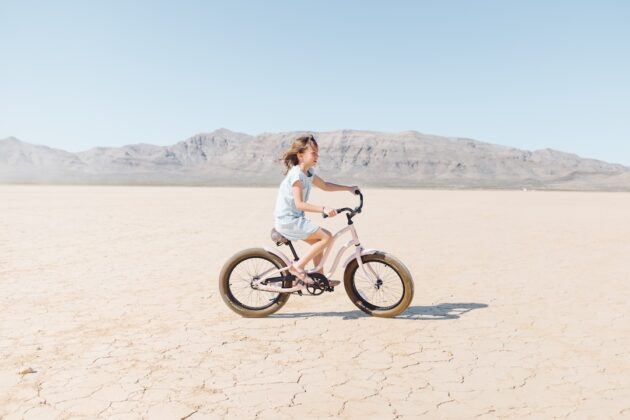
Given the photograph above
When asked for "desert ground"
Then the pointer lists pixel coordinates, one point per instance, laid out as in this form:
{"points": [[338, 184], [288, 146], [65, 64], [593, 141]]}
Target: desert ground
{"points": [[110, 308]]}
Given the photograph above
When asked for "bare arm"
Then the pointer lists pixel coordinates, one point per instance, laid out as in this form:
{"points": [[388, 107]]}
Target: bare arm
{"points": [[329, 186], [304, 206]]}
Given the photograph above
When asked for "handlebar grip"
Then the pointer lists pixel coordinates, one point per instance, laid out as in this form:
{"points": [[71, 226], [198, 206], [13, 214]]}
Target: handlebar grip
{"points": [[337, 210], [353, 212]]}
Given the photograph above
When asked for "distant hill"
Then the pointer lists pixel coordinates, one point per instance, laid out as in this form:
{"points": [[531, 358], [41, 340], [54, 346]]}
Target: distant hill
{"points": [[223, 157]]}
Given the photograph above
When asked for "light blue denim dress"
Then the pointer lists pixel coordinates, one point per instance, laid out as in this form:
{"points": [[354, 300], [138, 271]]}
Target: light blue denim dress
{"points": [[290, 221]]}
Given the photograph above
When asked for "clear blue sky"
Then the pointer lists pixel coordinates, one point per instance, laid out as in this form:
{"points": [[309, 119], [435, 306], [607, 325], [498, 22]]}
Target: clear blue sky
{"points": [[530, 74]]}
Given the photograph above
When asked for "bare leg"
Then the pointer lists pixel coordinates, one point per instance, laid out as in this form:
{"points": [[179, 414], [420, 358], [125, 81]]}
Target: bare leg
{"points": [[317, 259], [320, 241]]}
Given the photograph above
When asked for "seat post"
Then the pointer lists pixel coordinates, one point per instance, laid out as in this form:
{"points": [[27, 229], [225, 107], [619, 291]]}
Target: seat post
{"points": [[295, 255]]}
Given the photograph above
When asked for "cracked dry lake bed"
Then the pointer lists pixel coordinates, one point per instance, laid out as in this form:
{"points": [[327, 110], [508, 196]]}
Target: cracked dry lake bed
{"points": [[110, 308]]}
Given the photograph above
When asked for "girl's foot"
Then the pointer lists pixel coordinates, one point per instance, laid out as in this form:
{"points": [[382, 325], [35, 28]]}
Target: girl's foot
{"points": [[301, 276]]}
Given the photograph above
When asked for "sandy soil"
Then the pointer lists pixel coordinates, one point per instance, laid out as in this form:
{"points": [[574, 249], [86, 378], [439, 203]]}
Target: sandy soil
{"points": [[110, 307]]}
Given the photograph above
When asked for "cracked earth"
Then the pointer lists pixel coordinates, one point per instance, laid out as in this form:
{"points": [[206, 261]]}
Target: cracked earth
{"points": [[110, 308]]}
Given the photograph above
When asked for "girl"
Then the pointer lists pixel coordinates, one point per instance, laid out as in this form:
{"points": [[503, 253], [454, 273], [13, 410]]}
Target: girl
{"points": [[291, 204]]}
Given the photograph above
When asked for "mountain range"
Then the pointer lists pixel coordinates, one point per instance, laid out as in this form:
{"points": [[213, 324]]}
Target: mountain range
{"points": [[365, 158]]}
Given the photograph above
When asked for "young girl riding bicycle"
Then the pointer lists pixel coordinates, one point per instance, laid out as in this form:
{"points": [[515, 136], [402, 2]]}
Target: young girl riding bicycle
{"points": [[291, 204]]}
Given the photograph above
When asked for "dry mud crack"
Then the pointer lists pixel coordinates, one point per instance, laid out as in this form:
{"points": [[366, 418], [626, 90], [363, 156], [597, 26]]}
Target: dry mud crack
{"points": [[111, 309]]}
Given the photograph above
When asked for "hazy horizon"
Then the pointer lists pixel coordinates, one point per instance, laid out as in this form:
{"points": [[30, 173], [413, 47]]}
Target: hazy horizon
{"points": [[316, 132]]}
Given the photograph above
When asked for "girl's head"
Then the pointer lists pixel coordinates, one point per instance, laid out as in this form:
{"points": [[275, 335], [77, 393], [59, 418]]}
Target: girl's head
{"points": [[303, 150]]}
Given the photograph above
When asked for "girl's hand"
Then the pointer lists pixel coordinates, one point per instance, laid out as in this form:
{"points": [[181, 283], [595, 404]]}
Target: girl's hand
{"points": [[354, 189], [330, 212]]}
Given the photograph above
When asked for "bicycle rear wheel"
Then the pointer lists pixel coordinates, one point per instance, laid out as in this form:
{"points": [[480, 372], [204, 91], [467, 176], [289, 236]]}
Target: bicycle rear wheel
{"points": [[235, 283], [388, 294]]}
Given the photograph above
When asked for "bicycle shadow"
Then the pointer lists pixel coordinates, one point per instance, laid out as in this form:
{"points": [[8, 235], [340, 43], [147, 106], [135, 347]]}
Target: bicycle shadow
{"points": [[439, 312]]}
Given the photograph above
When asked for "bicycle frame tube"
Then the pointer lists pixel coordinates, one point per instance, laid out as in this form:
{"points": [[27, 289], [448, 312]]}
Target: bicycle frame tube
{"points": [[354, 241], [359, 250]]}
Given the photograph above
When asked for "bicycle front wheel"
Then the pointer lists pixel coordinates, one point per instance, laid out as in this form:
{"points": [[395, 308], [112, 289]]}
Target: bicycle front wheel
{"points": [[382, 288]]}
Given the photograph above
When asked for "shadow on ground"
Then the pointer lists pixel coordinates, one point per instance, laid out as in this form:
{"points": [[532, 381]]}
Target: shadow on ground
{"points": [[441, 311]]}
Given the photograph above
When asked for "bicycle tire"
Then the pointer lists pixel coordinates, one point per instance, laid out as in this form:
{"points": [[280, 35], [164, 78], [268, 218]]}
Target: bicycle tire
{"points": [[228, 295], [359, 299]]}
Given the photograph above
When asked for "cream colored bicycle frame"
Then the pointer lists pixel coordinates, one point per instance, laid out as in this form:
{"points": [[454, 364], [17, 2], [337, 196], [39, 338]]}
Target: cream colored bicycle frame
{"points": [[358, 252]]}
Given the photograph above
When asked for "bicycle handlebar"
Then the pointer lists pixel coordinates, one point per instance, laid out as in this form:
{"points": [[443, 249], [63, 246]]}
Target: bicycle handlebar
{"points": [[354, 211]]}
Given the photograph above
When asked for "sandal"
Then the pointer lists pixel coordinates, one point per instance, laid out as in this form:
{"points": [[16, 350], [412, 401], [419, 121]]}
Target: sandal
{"points": [[301, 276]]}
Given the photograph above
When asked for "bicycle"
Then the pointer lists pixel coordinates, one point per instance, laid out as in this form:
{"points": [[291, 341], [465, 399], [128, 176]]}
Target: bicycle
{"points": [[256, 282]]}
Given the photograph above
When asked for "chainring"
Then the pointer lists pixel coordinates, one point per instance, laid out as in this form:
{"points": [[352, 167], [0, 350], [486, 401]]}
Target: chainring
{"points": [[321, 284]]}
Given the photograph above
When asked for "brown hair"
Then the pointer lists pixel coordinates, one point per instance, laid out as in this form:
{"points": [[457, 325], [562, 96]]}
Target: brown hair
{"points": [[290, 158]]}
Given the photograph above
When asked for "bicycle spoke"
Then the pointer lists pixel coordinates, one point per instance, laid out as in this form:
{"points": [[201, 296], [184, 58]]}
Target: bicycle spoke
{"points": [[241, 279], [383, 292]]}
